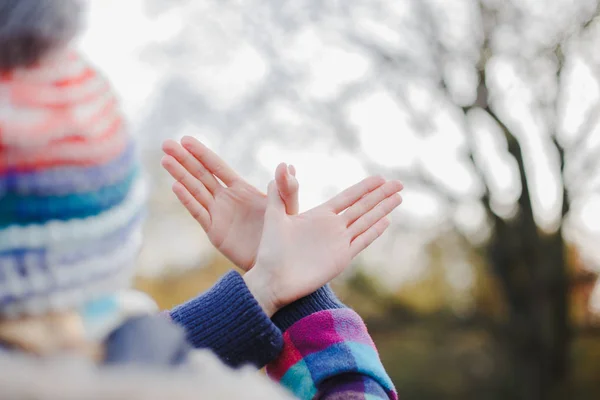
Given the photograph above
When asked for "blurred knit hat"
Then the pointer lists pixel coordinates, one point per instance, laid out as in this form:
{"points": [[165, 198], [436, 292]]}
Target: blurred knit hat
{"points": [[71, 195], [30, 29]]}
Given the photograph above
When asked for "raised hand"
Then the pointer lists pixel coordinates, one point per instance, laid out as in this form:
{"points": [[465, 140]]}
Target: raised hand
{"points": [[231, 212], [299, 254]]}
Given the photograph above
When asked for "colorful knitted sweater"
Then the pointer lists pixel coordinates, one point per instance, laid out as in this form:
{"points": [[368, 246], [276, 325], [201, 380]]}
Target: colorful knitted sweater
{"points": [[315, 347]]}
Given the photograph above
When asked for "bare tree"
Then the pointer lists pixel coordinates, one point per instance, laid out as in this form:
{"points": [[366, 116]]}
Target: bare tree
{"points": [[503, 81]]}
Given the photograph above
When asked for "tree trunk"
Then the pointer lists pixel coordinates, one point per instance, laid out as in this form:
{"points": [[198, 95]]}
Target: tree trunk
{"points": [[531, 268]]}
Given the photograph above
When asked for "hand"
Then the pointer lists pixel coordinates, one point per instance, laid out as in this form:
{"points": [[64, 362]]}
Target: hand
{"points": [[232, 214], [299, 254]]}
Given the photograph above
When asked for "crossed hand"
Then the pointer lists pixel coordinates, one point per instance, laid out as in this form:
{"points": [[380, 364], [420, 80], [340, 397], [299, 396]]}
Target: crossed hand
{"points": [[286, 255]]}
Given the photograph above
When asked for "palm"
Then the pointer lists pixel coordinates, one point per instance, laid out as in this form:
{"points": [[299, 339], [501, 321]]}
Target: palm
{"points": [[298, 254], [232, 213], [326, 235], [237, 222]]}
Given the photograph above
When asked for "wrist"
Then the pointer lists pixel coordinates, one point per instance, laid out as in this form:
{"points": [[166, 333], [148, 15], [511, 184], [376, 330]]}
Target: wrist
{"points": [[228, 320], [261, 290], [322, 299]]}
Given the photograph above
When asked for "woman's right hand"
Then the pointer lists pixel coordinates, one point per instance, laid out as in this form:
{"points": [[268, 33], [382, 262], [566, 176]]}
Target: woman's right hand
{"points": [[300, 253]]}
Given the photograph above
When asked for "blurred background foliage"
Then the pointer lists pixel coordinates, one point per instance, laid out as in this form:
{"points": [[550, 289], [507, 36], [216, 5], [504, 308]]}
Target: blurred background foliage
{"points": [[485, 285], [433, 344]]}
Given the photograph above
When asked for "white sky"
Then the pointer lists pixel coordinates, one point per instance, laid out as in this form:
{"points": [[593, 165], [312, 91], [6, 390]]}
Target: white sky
{"points": [[226, 69]]}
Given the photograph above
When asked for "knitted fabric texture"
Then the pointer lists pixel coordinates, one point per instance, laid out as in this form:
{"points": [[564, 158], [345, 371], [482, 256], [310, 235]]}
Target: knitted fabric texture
{"points": [[325, 349], [329, 354], [228, 320], [71, 194]]}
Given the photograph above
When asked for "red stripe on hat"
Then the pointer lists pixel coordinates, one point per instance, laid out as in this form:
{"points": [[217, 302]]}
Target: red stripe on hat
{"points": [[80, 79], [33, 95], [60, 126], [61, 112], [41, 112], [74, 150]]}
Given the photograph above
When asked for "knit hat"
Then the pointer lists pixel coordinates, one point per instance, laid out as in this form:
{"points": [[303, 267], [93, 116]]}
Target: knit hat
{"points": [[71, 194]]}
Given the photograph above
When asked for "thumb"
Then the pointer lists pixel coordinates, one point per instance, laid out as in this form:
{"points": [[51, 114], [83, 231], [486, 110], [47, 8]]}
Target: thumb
{"points": [[287, 184], [274, 198]]}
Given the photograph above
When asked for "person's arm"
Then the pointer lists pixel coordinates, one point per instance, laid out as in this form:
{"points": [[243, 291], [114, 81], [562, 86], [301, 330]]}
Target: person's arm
{"points": [[229, 321], [328, 352], [294, 256], [297, 255]]}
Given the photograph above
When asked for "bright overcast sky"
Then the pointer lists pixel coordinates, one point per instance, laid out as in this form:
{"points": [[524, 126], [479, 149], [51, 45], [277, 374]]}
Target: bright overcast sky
{"points": [[226, 68]]}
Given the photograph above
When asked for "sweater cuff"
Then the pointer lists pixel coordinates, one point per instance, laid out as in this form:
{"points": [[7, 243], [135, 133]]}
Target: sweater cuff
{"points": [[229, 321], [321, 300]]}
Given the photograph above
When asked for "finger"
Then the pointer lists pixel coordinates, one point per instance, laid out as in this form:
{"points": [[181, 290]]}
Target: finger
{"points": [[292, 169], [281, 175], [195, 209], [210, 160], [275, 202], [288, 188], [194, 186], [191, 164], [349, 196], [370, 218], [363, 241], [369, 201]]}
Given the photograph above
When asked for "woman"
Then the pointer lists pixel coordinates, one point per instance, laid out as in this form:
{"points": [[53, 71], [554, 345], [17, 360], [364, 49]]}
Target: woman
{"points": [[71, 208]]}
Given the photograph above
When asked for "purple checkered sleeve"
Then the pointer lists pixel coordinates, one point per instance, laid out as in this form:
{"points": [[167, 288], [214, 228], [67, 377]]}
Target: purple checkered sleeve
{"points": [[352, 387], [330, 355]]}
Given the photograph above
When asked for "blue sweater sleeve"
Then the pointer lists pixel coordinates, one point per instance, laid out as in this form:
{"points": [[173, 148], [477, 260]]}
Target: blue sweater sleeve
{"points": [[229, 321]]}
